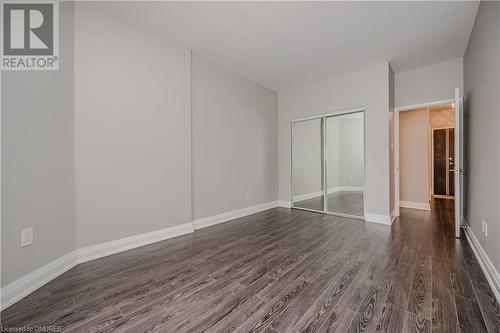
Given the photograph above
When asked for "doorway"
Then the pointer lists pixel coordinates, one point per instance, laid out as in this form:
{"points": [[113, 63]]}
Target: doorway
{"points": [[444, 166], [426, 155], [328, 163]]}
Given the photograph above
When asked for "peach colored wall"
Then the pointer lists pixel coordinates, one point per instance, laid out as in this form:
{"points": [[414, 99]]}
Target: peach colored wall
{"points": [[442, 118], [414, 155]]}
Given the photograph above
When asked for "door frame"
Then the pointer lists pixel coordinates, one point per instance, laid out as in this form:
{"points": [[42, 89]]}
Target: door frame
{"points": [[323, 117], [397, 110], [459, 161]]}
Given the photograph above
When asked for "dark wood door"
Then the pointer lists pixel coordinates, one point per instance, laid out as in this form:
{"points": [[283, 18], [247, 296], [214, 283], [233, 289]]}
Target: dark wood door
{"points": [[451, 161], [440, 162]]}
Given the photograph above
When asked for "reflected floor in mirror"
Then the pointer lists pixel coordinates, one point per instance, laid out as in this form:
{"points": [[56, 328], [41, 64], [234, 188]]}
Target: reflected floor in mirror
{"points": [[345, 202]]}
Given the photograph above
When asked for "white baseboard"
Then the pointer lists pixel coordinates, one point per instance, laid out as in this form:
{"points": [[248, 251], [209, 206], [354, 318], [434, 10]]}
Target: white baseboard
{"points": [[487, 266], [345, 189], [415, 205], [284, 204], [224, 217], [24, 286], [330, 190], [108, 248], [378, 218], [307, 196], [394, 214]]}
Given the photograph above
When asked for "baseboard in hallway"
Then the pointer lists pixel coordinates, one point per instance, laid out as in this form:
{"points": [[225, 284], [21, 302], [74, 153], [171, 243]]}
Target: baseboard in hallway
{"points": [[487, 266], [415, 205]]}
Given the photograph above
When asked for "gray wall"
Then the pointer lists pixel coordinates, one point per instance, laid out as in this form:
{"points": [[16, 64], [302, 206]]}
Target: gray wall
{"points": [[482, 128], [102, 150], [235, 141], [38, 188], [428, 84], [369, 88], [133, 128]]}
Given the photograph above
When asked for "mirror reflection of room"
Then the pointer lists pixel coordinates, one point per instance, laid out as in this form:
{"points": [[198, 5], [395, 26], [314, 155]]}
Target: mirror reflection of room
{"points": [[345, 164], [307, 164], [328, 153]]}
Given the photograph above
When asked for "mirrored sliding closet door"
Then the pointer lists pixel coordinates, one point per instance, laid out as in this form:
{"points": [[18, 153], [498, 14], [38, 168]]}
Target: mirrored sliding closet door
{"points": [[345, 164], [328, 164], [307, 164]]}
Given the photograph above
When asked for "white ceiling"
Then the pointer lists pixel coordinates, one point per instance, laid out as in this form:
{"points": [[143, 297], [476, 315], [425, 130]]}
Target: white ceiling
{"points": [[282, 44]]}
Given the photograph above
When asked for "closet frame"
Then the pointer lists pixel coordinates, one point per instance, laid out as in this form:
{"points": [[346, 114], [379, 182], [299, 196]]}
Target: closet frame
{"points": [[323, 117]]}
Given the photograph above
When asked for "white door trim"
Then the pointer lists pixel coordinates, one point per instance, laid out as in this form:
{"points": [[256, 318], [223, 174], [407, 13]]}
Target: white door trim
{"points": [[423, 105], [459, 161]]}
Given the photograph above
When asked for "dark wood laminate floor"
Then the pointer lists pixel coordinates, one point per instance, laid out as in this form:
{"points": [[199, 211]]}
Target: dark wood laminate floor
{"points": [[345, 202], [282, 271]]}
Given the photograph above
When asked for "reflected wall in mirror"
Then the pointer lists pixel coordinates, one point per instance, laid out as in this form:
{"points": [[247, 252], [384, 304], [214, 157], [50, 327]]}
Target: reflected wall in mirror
{"points": [[345, 164], [307, 164]]}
